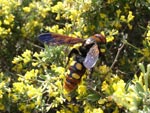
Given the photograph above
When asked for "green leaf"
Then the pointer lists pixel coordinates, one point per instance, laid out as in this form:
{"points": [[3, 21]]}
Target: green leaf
{"points": [[148, 70], [142, 67], [93, 97], [139, 89]]}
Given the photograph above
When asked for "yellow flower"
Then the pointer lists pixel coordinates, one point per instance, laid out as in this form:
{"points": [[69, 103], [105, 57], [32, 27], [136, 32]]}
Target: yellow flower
{"points": [[17, 59], [101, 101], [44, 12], [122, 18], [103, 33], [78, 34], [86, 5], [73, 108], [1, 94], [60, 99], [2, 84], [33, 92], [148, 34], [76, 109], [88, 108], [35, 23], [61, 31], [38, 101], [59, 70], [74, 14], [14, 97], [18, 67], [119, 88], [130, 17], [61, 111], [35, 64], [130, 26], [9, 19], [27, 9], [58, 7], [4, 31], [52, 91], [127, 7], [116, 110], [58, 83], [27, 56], [42, 53], [2, 107], [92, 27], [117, 24], [31, 74], [22, 107], [97, 110], [6, 22], [19, 87], [85, 28], [103, 69], [1, 75], [118, 12], [26, 60], [146, 52], [81, 89], [105, 87], [109, 38], [102, 15], [58, 16], [114, 32], [54, 28], [67, 111], [26, 53]]}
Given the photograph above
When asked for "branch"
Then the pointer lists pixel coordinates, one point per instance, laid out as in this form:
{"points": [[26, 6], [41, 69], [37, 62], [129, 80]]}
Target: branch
{"points": [[35, 45], [117, 55], [119, 50]]}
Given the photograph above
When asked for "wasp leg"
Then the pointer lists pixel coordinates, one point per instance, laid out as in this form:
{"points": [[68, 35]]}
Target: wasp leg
{"points": [[89, 77], [73, 51], [91, 72]]}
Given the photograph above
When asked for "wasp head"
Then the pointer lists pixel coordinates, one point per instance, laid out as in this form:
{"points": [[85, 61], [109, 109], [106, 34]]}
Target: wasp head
{"points": [[99, 38]]}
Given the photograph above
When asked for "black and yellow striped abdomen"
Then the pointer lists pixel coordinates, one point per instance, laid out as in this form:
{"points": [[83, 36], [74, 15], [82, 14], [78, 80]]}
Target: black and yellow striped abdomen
{"points": [[74, 75]]}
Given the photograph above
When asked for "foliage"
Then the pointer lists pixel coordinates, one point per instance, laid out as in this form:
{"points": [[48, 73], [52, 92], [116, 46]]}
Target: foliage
{"points": [[31, 79]]}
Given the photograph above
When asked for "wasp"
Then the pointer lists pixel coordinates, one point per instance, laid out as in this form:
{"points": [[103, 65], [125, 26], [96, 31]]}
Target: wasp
{"points": [[85, 57]]}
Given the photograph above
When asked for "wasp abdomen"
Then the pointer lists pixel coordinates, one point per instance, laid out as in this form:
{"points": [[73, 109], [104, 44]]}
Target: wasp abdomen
{"points": [[75, 72]]}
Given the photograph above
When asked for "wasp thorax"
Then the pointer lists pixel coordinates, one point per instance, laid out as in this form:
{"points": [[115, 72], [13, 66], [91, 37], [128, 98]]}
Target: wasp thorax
{"points": [[89, 41]]}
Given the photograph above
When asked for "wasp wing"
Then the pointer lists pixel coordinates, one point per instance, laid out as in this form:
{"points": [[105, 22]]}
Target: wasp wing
{"points": [[57, 39], [91, 57]]}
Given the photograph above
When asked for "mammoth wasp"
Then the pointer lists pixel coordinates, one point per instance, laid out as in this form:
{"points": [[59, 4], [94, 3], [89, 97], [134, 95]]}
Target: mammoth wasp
{"points": [[86, 55]]}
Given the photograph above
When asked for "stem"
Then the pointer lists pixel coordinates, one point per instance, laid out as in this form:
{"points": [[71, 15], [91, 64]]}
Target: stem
{"points": [[126, 42], [29, 42], [116, 58]]}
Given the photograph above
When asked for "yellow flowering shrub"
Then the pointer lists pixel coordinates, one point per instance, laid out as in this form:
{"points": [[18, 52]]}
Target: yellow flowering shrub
{"points": [[38, 80], [32, 74]]}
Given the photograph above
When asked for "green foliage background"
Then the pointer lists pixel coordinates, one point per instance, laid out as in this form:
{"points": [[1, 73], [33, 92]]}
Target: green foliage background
{"points": [[31, 78]]}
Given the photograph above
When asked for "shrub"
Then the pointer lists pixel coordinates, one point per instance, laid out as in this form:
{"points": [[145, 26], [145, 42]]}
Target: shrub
{"points": [[32, 78]]}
